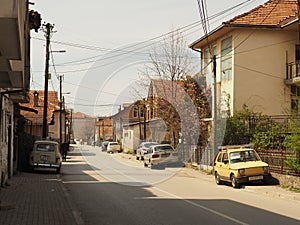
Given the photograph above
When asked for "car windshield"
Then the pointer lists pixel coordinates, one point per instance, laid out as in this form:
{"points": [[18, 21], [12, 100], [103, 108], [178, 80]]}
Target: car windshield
{"points": [[243, 156], [164, 148], [113, 143], [147, 145], [45, 147]]}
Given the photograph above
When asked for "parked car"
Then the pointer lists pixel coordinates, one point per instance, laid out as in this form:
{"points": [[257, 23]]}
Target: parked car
{"points": [[143, 149], [104, 145], [113, 147], [45, 154], [239, 165], [162, 153]]}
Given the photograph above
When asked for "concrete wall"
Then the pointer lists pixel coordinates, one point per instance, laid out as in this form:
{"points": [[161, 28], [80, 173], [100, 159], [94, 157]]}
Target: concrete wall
{"points": [[287, 180], [260, 58], [6, 140]]}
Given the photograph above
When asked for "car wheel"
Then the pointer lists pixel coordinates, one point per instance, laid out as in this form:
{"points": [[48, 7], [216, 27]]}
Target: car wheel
{"points": [[217, 179], [145, 164], [234, 182], [137, 158], [151, 164], [58, 170]]}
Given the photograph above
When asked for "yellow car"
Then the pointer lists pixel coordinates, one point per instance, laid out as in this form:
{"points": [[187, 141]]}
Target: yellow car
{"points": [[239, 165], [45, 154]]}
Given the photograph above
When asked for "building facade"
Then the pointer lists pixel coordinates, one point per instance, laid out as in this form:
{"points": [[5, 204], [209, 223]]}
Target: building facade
{"points": [[14, 77], [256, 63]]}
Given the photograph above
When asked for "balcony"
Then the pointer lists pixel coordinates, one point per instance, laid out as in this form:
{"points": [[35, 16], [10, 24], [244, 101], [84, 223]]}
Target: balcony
{"points": [[292, 73], [12, 48]]}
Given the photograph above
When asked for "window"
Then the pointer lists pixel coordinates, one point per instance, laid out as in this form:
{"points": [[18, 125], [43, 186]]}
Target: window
{"points": [[45, 147], [208, 65], [295, 96], [219, 158], [226, 59], [142, 113], [135, 112], [225, 157]]}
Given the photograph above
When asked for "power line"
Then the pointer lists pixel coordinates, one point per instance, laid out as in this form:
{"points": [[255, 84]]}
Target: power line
{"points": [[123, 50], [260, 72]]}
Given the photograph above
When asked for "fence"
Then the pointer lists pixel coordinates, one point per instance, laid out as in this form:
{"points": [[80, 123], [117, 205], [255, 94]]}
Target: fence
{"points": [[205, 156], [196, 154], [276, 160]]}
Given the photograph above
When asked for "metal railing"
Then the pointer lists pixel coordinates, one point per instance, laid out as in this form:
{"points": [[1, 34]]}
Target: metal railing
{"points": [[292, 70], [277, 160]]}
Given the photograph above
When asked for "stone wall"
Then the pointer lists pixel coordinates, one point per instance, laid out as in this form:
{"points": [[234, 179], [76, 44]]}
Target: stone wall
{"points": [[287, 180]]}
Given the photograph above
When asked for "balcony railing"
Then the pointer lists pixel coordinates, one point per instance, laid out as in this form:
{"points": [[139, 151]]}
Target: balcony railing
{"points": [[292, 72]]}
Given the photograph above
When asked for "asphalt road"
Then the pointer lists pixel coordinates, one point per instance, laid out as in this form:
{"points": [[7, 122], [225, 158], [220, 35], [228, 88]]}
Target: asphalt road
{"points": [[108, 189]]}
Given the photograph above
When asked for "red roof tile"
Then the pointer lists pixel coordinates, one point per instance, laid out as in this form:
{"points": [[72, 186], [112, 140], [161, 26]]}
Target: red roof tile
{"points": [[80, 115], [52, 106], [271, 13]]}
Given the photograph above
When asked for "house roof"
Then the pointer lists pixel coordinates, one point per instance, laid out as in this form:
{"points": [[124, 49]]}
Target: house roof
{"points": [[164, 88], [38, 118], [104, 121], [80, 115], [124, 114], [272, 14]]}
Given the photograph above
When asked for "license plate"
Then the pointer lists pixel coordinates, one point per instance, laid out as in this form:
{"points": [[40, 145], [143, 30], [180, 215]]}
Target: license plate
{"points": [[256, 178], [44, 157], [165, 155]]}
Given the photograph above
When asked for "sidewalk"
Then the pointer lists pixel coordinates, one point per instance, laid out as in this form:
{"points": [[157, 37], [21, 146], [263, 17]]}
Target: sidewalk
{"points": [[271, 190], [35, 199]]}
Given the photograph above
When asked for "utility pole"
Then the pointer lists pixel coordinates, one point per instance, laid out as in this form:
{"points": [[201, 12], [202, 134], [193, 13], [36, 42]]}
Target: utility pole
{"points": [[60, 110], [49, 28], [214, 106], [298, 22]]}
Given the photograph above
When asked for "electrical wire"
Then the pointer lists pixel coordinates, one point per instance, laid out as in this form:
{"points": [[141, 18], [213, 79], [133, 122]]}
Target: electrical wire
{"points": [[123, 50]]}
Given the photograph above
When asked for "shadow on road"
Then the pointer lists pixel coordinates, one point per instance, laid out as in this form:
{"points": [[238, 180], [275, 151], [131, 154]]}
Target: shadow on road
{"points": [[104, 202]]}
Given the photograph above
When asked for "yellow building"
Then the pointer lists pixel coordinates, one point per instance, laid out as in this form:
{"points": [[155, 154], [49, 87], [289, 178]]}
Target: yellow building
{"points": [[256, 61]]}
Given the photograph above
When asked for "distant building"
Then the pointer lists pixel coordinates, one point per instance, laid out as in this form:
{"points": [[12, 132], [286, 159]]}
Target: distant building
{"points": [[104, 129], [84, 128]]}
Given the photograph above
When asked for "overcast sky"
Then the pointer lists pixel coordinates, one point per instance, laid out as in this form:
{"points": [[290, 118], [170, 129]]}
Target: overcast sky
{"points": [[98, 77]]}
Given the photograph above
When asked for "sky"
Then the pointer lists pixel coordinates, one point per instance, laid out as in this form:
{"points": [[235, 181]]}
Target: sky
{"points": [[107, 45]]}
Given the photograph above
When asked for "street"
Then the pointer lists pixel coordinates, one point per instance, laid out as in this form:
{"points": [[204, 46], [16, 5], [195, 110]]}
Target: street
{"points": [[109, 189]]}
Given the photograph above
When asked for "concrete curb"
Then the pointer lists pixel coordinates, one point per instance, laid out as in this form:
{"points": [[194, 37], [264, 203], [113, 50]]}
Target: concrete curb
{"points": [[76, 213]]}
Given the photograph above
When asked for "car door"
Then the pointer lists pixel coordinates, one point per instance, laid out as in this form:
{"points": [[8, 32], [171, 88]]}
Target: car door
{"points": [[223, 165]]}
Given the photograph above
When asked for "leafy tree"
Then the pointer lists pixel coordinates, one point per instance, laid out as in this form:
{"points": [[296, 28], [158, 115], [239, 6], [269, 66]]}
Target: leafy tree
{"points": [[246, 127], [292, 142], [271, 138]]}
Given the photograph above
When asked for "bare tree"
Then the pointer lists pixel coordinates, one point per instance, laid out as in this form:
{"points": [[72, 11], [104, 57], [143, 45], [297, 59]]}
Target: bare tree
{"points": [[173, 94]]}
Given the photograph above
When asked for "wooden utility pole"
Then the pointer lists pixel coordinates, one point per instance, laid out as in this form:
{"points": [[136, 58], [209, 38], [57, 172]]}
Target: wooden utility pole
{"points": [[48, 30], [214, 106], [60, 110]]}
